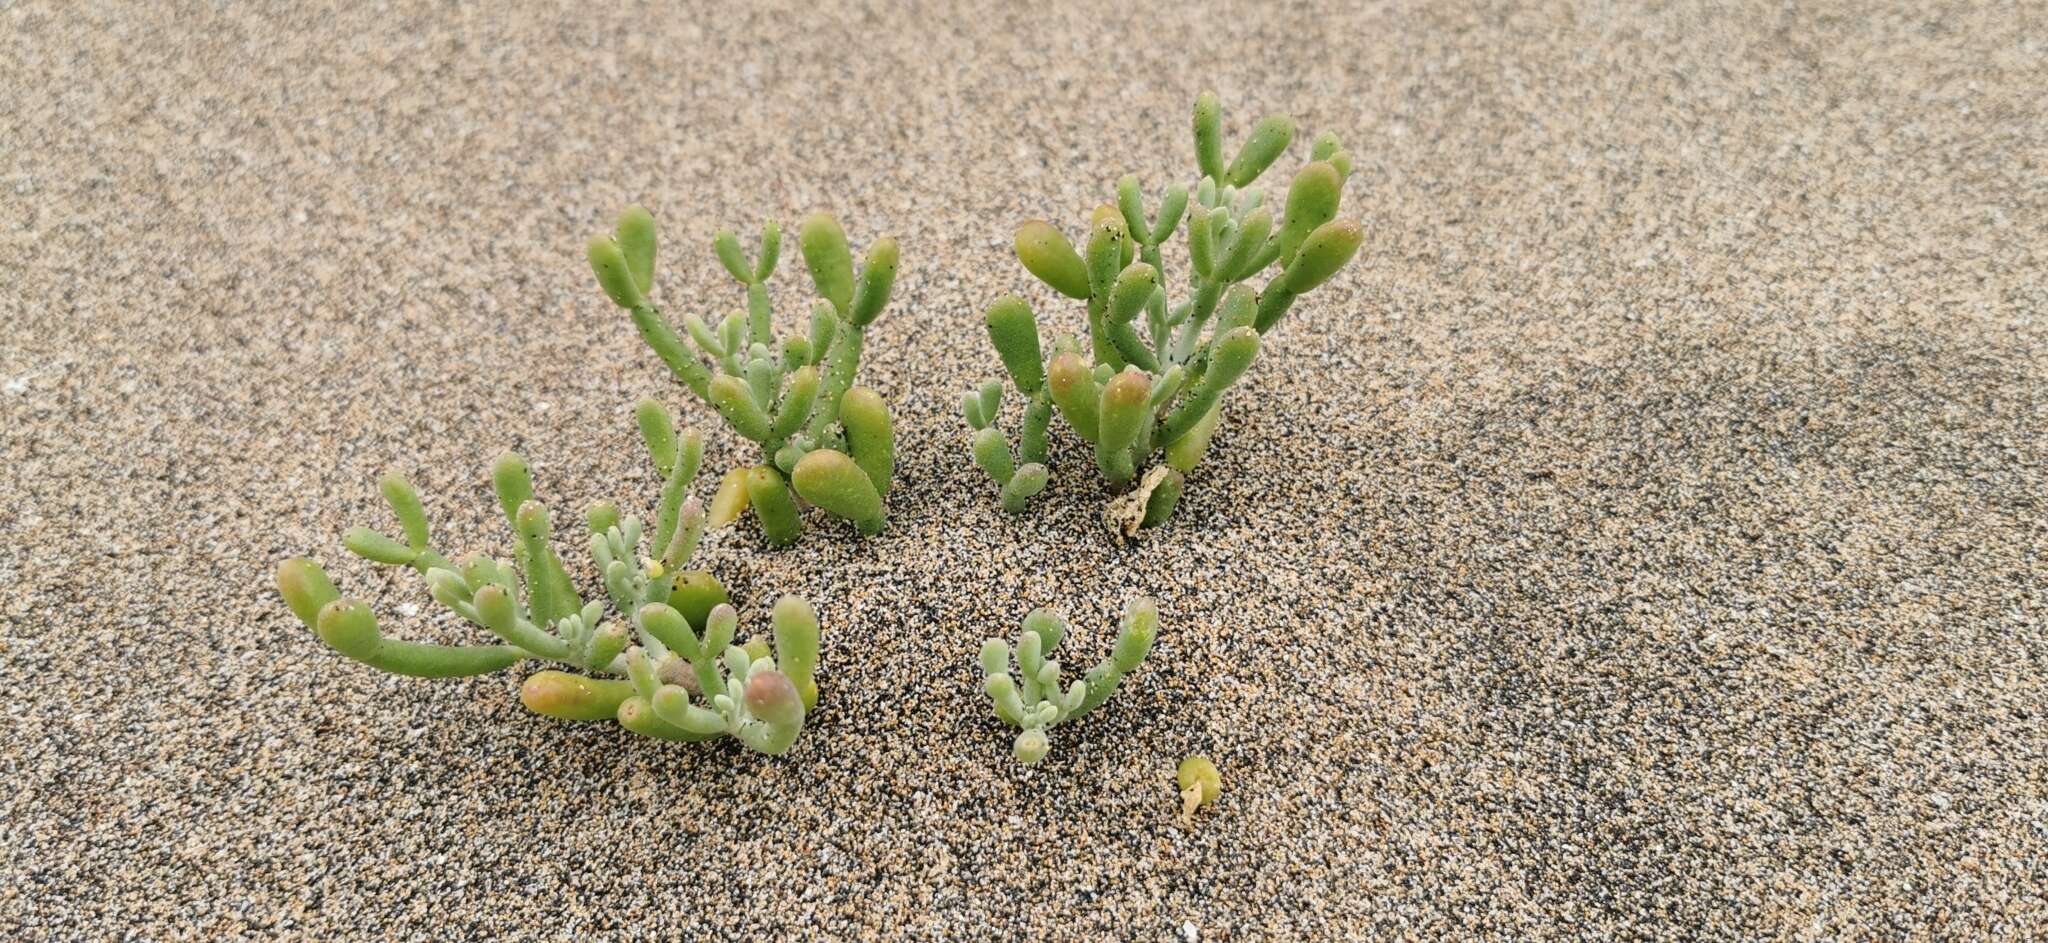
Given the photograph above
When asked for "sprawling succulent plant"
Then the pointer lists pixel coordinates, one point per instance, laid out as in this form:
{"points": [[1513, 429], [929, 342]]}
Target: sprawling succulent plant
{"points": [[1033, 700], [1153, 370], [665, 666], [794, 395]]}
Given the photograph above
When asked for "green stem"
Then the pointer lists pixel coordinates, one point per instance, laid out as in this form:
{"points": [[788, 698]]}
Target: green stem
{"points": [[1207, 293], [661, 336], [843, 363], [759, 318], [1031, 443]]}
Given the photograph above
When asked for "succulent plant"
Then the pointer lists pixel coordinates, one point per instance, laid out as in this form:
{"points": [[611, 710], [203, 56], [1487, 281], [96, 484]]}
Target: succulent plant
{"points": [[1033, 699], [1153, 370], [665, 666], [793, 395]]}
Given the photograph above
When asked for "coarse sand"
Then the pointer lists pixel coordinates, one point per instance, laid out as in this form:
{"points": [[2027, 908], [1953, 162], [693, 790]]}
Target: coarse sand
{"points": [[1642, 539]]}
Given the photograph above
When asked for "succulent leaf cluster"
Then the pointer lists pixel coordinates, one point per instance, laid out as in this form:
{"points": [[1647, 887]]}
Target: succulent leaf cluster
{"points": [[1032, 700], [655, 648], [1153, 369], [793, 396]]}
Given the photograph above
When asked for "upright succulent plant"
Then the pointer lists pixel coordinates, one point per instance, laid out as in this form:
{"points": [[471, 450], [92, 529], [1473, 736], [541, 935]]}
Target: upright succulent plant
{"points": [[666, 667], [1033, 700], [1153, 370], [793, 395]]}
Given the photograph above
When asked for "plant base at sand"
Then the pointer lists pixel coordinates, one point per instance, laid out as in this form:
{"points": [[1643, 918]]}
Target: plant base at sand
{"points": [[1033, 700], [792, 396], [656, 648], [1150, 378]]}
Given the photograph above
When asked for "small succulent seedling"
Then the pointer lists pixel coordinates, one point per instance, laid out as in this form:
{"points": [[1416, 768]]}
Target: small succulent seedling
{"points": [[663, 666], [1200, 784], [793, 396], [1033, 700], [1153, 369]]}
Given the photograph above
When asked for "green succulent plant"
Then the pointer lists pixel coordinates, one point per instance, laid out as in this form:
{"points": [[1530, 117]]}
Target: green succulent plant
{"points": [[1151, 374], [793, 396], [1033, 700], [659, 658]]}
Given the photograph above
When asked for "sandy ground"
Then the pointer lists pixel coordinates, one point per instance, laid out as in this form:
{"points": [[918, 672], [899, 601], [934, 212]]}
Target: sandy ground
{"points": [[1643, 539]]}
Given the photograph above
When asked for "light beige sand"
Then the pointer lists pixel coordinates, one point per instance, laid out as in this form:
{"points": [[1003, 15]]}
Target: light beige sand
{"points": [[1643, 539]]}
